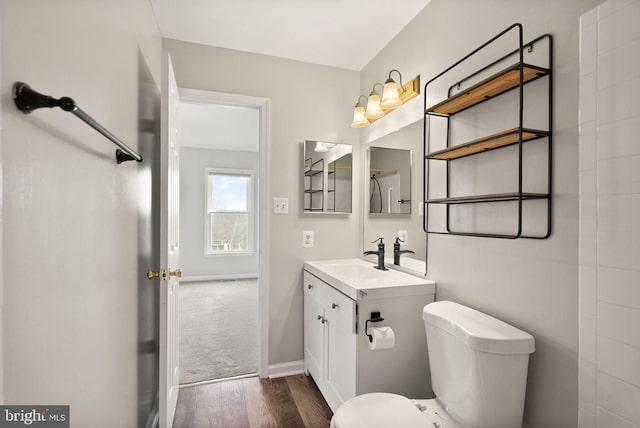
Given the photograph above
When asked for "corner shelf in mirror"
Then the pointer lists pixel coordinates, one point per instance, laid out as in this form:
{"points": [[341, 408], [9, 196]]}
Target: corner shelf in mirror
{"points": [[383, 171]]}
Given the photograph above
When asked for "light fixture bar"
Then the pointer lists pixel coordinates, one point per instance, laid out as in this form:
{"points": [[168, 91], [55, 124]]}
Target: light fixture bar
{"points": [[410, 90]]}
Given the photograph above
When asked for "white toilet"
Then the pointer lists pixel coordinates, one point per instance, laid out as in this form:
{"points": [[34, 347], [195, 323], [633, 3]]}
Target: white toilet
{"points": [[478, 371]]}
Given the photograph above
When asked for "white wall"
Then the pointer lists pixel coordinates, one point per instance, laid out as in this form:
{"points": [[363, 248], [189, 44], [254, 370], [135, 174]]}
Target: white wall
{"points": [[529, 283], [70, 213], [307, 102], [609, 212], [195, 264]]}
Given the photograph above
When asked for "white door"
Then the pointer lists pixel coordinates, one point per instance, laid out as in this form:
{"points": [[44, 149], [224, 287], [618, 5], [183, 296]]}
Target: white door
{"points": [[169, 246]]}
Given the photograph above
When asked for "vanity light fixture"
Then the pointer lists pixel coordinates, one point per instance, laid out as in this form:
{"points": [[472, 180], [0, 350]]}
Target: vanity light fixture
{"points": [[393, 96]]}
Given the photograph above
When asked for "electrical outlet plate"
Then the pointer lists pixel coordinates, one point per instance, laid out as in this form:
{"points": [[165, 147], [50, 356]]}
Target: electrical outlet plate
{"points": [[307, 238], [404, 236]]}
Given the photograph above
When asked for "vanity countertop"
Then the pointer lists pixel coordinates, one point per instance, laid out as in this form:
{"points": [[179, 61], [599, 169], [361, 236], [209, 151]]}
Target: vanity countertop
{"points": [[358, 279]]}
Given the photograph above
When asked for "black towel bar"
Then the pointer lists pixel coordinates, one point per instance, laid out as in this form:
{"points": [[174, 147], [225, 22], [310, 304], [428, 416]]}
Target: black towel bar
{"points": [[27, 100]]}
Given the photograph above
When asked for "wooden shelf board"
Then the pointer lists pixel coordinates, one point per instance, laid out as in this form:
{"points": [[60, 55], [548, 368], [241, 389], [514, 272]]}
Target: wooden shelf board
{"points": [[500, 82], [501, 139], [497, 197]]}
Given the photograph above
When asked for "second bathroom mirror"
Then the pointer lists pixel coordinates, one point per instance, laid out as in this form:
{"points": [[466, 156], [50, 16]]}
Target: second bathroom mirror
{"points": [[328, 169], [389, 181]]}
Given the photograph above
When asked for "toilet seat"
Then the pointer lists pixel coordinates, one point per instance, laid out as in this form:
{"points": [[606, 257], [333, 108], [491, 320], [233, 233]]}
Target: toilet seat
{"points": [[378, 410], [383, 410]]}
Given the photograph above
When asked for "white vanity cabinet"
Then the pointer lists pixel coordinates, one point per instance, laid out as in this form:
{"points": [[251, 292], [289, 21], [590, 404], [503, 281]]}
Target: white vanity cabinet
{"points": [[330, 340], [339, 296]]}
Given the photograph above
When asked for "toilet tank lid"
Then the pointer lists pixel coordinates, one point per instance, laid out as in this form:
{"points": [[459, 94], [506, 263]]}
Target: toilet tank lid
{"points": [[477, 330]]}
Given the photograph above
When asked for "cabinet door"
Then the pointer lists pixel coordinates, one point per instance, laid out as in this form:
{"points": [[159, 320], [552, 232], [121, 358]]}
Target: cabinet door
{"points": [[340, 354], [313, 328]]}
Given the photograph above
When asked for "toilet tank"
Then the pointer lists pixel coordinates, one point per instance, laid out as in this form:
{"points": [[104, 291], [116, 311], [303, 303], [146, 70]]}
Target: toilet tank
{"points": [[478, 365]]}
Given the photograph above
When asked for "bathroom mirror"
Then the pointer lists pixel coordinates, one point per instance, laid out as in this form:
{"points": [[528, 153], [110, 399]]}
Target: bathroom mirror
{"points": [[404, 143], [327, 186], [389, 180]]}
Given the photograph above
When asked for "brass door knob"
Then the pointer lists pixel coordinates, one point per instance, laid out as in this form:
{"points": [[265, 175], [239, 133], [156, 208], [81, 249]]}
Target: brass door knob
{"points": [[175, 272], [162, 274]]}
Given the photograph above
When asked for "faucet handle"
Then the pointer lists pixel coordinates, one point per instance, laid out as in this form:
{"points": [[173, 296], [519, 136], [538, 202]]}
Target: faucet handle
{"points": [[381, 239], [398, 240]]}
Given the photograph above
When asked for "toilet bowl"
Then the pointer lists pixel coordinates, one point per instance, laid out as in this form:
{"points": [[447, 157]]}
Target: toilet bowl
{"points": [[478, 369]]}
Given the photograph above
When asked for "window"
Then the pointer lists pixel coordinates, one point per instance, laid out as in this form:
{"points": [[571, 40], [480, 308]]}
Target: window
{"points": [[229, 216]]}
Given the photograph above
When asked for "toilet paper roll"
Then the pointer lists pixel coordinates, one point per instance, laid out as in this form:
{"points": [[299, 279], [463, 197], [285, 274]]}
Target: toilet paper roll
{"points": [[383, 338]]}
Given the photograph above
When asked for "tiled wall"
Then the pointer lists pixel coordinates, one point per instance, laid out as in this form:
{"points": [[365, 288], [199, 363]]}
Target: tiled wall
{"points": [[609, 377]]}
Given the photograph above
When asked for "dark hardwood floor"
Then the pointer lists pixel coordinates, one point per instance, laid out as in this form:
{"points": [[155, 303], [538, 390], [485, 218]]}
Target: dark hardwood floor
{"points": [[287, 402]]}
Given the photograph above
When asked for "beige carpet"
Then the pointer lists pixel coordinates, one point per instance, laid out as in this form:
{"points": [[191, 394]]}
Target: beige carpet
{"points": [[218, 329]]}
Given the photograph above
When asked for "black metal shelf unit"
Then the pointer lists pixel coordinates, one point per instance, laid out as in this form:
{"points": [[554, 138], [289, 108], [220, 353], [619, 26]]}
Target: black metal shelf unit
{"points": [[513, 77]]}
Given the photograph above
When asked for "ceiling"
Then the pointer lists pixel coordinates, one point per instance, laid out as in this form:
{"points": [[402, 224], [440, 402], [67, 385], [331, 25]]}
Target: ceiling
{"points": [[338, 33]]}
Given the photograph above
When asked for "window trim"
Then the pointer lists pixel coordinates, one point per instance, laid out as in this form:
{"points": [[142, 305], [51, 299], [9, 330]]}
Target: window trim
{"points": [[250, 210]]}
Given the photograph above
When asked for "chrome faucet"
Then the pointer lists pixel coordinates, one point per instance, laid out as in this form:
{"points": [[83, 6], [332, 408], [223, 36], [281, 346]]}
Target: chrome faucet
{"points": [[379, 253], [397, 252]]}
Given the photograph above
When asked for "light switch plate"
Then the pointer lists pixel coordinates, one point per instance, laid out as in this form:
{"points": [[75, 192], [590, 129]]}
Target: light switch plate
{"points": [[307, 238], [404, 236], [281, 205]]}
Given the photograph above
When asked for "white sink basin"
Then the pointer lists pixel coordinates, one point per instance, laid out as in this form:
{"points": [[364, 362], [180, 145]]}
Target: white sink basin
{"points": [[359, 279], [353, 272]]}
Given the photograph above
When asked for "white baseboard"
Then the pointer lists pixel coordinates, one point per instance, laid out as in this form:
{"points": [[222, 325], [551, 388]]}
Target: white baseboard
{"points": [[286, 369], [219, 277]]}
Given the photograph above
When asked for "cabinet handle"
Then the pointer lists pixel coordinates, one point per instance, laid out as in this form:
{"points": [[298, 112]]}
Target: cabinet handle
{"points": [[309, 286], [334, 305], [322, 319]]}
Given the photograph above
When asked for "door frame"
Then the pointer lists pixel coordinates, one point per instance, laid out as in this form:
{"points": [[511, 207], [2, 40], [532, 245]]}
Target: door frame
{"points": [[262, 104]]}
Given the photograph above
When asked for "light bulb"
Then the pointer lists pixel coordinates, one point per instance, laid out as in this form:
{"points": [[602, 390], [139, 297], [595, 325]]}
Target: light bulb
{"points": [[359, 119], [390, 97], [373, 111]]}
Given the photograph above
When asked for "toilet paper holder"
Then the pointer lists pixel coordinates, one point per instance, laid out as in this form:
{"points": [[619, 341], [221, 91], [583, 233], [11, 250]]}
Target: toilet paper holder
{"points": [[375, 317]]}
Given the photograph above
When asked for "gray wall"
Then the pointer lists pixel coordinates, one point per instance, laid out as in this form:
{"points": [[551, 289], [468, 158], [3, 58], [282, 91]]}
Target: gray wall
{"points": [[193, 162], [70, 214], [307, 102], [531, 284]]}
